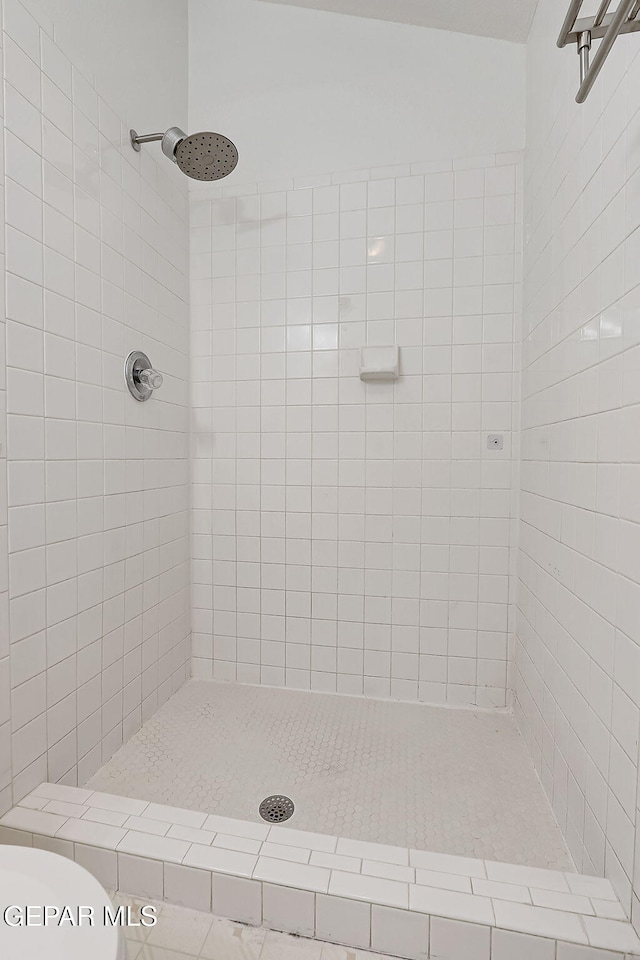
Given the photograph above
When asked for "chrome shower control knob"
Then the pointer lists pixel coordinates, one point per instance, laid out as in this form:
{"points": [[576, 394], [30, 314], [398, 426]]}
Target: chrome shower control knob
{"points": [[151, 378], [140, 376]]}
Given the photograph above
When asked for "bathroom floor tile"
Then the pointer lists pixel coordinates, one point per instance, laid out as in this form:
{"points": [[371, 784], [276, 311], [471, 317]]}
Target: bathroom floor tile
{"points": [[225, 939], [233, 941], [148, 952], [180, 929]]}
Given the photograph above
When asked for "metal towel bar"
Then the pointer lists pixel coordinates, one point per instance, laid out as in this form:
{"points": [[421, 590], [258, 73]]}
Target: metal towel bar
{"points": [[604, 26]]}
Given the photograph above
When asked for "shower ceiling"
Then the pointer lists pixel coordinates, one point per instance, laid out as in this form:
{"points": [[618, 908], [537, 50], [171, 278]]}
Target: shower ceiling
{"points": [[503, 19]]}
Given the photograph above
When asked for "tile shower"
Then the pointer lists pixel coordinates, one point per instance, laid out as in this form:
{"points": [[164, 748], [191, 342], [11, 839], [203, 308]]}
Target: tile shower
{"points": [[275, 578], [357, 537]]}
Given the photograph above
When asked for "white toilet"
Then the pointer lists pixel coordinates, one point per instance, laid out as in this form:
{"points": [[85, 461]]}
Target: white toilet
{"points": [[37, 879]]}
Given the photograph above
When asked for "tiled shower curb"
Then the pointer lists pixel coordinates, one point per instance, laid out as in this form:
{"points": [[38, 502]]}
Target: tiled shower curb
{"points": [[400, 902]]}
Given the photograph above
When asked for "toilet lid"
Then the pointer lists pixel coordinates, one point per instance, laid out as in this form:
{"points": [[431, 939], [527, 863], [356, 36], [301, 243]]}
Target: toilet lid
{"points": [[38, 879]]}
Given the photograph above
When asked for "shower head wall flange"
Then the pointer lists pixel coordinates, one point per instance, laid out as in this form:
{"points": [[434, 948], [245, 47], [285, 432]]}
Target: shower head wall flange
{"points": [[201, 156]]}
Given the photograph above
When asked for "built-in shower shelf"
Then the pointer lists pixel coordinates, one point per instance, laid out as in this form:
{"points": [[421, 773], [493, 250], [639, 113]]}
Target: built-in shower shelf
{"points": [[401, 902]]}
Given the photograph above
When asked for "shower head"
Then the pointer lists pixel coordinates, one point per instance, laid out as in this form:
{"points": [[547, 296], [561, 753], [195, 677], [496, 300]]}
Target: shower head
{"points": [[202, 156]]}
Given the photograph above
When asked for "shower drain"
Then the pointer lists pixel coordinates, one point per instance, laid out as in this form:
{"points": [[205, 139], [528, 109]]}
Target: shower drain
{"points": [[276, 809]]}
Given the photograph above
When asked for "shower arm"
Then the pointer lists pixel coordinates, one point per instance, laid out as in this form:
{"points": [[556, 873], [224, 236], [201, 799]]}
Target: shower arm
{"points": [[148, 138]]}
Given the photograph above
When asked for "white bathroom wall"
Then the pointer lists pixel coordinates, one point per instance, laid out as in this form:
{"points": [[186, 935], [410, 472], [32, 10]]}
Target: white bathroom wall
{"points": [[305, 91], [352, 537], [135, 51], [97, 483], [578, 652]]}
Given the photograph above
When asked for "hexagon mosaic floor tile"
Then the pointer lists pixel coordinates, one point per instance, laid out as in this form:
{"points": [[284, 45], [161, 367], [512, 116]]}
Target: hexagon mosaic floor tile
{"points": [[445, 780]]}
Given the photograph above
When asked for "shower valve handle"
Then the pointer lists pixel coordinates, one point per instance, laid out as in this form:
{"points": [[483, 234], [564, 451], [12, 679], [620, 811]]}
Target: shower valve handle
{"points": [[150, 378], [140, 376]]}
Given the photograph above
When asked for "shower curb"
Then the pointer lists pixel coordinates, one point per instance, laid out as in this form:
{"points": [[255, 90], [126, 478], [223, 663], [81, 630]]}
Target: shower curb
{"points": [[404, 903]]}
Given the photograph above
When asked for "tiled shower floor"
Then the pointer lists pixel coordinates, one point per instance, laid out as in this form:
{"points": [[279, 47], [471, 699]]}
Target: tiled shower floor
{"points": [[449, 781]]}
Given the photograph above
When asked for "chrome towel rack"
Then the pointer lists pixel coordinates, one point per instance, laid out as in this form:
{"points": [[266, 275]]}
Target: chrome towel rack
{"points": [[604, 26]]}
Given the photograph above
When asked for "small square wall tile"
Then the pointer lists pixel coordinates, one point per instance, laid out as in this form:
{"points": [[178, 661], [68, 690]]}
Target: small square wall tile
{"points": [[103, 864], [18, 838], [454, 940], [237, 899], [64, 848], [187, 887], [399, 933], [140, 876], [289, 910], [343, 921], [508, 945]]}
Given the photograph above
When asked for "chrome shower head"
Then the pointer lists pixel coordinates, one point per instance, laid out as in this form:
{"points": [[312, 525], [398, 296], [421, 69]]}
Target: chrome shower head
{"points": [[206, 156], [202, 156]]}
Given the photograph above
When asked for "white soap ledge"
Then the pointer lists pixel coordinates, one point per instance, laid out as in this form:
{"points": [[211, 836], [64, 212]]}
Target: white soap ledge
{"points": [[379, 363]]}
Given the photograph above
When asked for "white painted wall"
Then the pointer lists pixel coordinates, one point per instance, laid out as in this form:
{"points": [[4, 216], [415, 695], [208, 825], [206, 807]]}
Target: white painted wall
{"points": [[134, 49], [305, 91], [578, 639]]}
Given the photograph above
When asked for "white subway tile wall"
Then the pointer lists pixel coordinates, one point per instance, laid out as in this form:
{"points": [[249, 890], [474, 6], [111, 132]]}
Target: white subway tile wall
{"points": [[97, 626], [357, 537], [577, 676]]}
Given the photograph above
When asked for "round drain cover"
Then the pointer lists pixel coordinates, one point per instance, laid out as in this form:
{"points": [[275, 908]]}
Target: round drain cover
{"points": [[276, 809]]}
